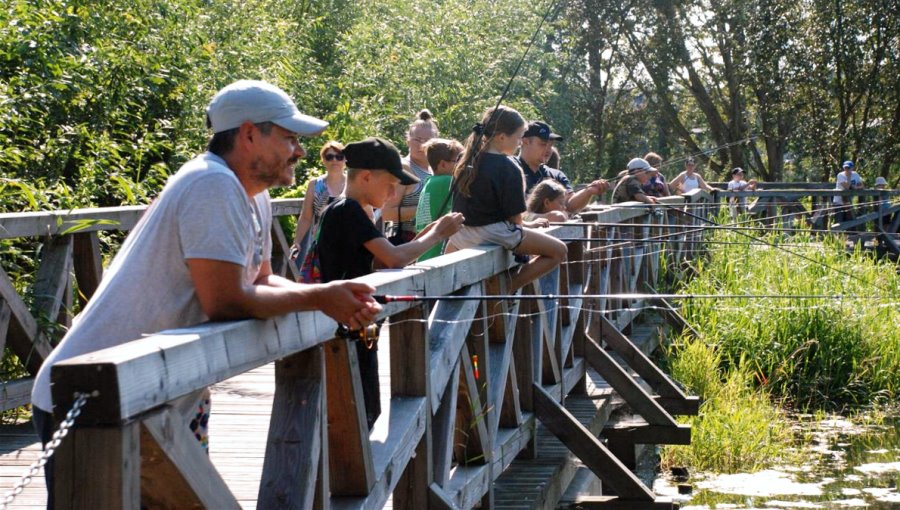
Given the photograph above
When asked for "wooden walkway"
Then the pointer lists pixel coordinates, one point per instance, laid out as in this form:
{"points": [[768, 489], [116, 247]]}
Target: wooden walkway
{"points": [[240, 418]]}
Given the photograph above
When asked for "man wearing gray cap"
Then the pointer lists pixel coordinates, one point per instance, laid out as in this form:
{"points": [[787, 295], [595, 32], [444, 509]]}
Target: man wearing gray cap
{"points": [[201, 250]]}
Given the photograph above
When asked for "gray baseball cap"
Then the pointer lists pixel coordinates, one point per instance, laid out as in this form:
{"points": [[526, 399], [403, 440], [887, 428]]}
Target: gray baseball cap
{"points": [[258, 101]]}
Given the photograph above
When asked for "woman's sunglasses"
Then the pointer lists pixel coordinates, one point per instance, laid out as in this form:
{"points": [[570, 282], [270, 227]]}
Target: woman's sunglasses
{"points": [[332, 157]]}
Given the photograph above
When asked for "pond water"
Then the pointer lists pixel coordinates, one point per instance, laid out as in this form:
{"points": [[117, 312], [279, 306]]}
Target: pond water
{"points": [[844, 465]]}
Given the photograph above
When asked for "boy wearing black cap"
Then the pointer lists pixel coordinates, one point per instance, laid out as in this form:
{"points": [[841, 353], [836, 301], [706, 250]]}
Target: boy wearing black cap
{"points": [[349, 243]]}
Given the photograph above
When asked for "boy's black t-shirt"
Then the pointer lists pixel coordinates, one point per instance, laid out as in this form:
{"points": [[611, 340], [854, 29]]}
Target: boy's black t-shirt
{"points": [[496, 193], [345, 229]]}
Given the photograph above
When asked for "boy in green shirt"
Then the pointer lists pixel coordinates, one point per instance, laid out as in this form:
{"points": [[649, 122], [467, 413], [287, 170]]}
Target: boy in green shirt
{"points": [[434, 201]]}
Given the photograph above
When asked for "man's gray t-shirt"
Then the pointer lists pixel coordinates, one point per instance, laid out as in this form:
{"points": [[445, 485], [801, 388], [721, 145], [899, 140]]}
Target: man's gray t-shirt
{"points": [[202, 213]]}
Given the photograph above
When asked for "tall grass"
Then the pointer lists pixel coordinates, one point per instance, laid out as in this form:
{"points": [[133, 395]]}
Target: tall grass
{"points": [[758, 358], [823, 353]]}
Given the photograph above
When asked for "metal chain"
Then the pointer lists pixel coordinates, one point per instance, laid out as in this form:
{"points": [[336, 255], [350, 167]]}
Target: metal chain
{"points": [[49, 449]]}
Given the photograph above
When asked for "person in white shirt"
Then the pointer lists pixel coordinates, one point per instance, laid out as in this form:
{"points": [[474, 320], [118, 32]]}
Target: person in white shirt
{"points": [[847, 179], [737, 183], [689, 180]]}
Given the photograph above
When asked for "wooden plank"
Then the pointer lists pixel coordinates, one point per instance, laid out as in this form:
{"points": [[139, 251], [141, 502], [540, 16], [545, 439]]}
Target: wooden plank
{"points": [[626, 386], [175, 470], [443, 428], [23, 336], [15, 393], [642, 433], [448, 325], [52, 223], [154, 370], [588, 448], [99, 468], [52, 276], [438, 499], [349, 451], [410, 357], [88, 264], [472, 444], [639, 362], [408, 418], [293, 459], [510, 414], [617, 503], [5, 317], [410, 353], [282, 265]]}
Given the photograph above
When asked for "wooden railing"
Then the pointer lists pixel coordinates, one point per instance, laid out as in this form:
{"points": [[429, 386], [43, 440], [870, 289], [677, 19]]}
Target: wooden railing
{"points": [[449, 432], [789, 203]]}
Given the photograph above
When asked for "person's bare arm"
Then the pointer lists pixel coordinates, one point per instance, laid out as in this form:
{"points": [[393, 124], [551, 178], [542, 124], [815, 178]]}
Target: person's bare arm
{"points": [[580, 199], [394, 257], [304, 221], [647, 199], [676, 182], [223, 295]]}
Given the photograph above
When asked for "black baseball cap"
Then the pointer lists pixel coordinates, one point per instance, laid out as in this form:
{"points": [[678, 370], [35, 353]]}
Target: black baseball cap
{"points": [[541, 130], [375, 153]]}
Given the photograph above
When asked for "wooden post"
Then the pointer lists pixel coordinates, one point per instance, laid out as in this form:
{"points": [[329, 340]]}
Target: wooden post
{"points": [[410, 358], [99, 468], [87, 261], [349, 451], [294, 450]]}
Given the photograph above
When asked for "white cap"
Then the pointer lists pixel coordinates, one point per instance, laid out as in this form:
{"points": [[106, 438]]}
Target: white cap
{"points": [[638, 164], [880, 181], [258, 101]]}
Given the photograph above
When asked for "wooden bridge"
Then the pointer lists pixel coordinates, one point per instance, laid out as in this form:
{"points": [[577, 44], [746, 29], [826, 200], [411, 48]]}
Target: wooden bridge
{"points": [[497, 404]]}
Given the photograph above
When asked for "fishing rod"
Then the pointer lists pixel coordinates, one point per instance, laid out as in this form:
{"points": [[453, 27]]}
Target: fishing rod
{"points": [[387, 298]]}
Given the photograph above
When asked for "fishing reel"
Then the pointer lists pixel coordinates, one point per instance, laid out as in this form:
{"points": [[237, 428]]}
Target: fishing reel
{"points": [[368, 334]]}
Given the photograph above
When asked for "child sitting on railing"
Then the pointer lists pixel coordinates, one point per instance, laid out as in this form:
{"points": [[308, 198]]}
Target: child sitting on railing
{"points": [[490, 192], [547, 200]]}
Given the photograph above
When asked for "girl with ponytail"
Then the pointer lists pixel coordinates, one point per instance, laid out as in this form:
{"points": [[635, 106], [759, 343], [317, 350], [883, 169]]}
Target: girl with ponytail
{"points": [[490, 192]]}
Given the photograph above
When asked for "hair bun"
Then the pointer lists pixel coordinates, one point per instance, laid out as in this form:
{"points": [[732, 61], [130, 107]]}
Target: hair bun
{"points": [[425, 115]]}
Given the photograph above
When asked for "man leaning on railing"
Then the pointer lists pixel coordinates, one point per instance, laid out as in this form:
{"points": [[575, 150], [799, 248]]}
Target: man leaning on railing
{"points": [[201, 251]]}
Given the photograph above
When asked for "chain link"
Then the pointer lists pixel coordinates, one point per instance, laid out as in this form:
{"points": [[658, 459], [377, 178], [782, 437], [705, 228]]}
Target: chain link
{"points": [[49, 449]]}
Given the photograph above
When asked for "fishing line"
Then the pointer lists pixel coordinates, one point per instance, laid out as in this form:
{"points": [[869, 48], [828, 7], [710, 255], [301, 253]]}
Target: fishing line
{"points": [[387, 298], [800, 255]]}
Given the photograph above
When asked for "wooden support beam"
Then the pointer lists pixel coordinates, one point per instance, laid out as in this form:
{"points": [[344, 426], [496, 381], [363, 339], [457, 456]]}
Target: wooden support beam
{"points": [[439, 500], [23, 336], [588, 448], [643, 433], [282, 264], [349, 451], [52, 277], [410, 356], [15, 393], [176, 471], [448, 325], [88, 264], [294, 449], [626, 386], [472, 444], [443, 430], [5, 317], [99, 468], [651, 374], [617, 503]]}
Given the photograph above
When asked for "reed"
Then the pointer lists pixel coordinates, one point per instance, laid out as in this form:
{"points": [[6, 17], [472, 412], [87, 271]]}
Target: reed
{"points": [[830, 354]]}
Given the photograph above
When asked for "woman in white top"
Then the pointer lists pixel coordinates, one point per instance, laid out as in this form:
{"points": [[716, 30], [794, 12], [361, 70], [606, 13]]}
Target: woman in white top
{"points": [[688, 179]]}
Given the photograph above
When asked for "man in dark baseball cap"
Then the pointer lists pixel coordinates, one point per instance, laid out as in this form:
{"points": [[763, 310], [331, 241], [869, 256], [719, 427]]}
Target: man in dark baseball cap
{"points": [[537, 146]]}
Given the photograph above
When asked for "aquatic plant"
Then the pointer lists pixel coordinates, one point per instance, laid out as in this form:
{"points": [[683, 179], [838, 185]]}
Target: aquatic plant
{"points": [[838, 352]]}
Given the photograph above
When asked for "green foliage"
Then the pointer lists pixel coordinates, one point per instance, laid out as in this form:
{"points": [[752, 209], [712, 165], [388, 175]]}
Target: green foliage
{"points": [[738, 428], [817, 353]]}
